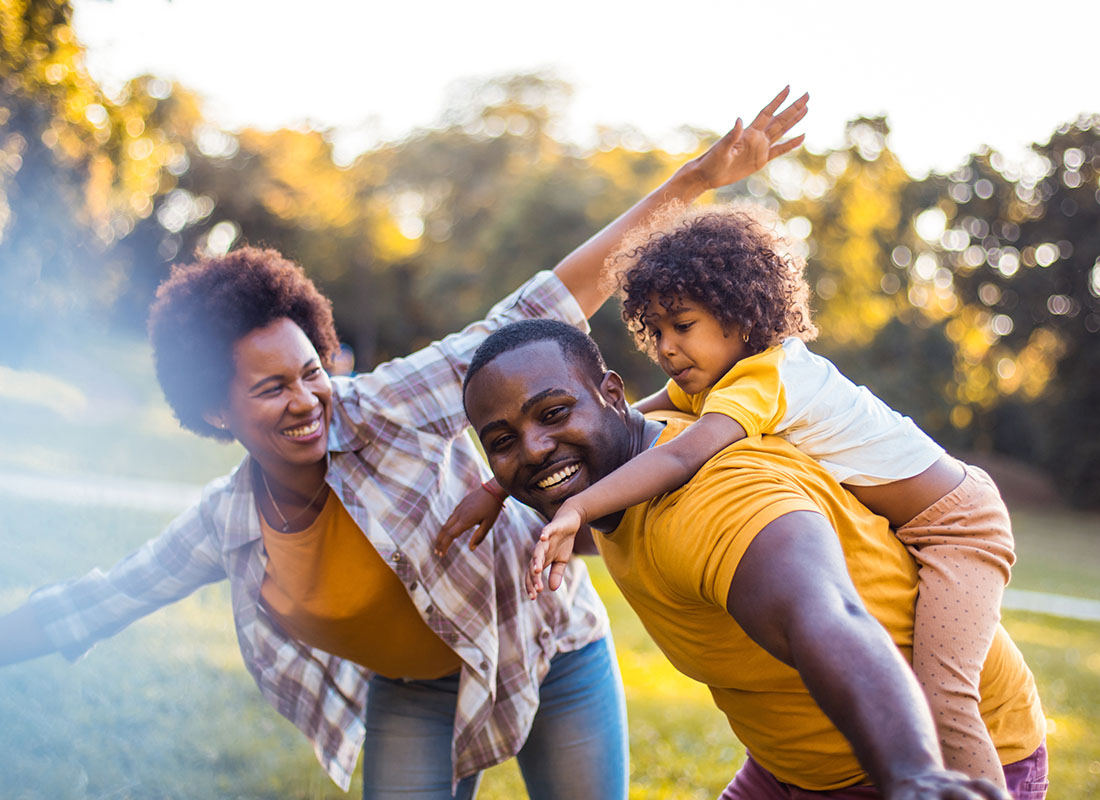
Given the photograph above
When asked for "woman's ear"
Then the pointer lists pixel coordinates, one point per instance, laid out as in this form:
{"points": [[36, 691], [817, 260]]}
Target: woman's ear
{"points": [[216, 419]]}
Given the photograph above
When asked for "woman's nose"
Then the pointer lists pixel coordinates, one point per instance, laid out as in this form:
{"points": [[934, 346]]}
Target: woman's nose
{"points": [[302, 399]]}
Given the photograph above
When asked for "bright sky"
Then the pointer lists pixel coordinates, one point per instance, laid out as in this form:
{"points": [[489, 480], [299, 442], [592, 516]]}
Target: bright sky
{"points": [[950, 74]]}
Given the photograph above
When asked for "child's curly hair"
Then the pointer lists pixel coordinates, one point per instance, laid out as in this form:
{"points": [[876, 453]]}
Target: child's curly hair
{"points": [[727, 258], [203, 309]]}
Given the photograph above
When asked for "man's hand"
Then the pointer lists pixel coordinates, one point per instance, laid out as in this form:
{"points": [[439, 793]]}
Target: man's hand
{"points": [[743, 151], [478, 508], [945, 785], [555, 547]]}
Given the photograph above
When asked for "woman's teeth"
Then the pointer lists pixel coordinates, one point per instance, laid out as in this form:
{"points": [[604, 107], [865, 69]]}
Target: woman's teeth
{"points": [[305, 430], [558, 476]]}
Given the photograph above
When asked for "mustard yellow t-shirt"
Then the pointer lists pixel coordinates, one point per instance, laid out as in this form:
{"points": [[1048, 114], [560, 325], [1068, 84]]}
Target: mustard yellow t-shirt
{"points": [[674, 559], [328, 587]]}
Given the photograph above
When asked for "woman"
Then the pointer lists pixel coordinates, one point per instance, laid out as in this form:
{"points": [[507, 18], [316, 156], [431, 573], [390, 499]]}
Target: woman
{"points": [[325, 532]]}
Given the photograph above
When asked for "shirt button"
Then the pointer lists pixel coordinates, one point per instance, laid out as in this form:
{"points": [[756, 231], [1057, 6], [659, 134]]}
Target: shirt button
{"points": [[412, 586], [545, 634], [429, 610], [397, 555], [484, 666]]}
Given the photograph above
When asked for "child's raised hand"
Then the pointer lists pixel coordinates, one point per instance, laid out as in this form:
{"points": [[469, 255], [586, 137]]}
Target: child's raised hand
{"points": [[555, 547], [743, 151], [479, 508]]}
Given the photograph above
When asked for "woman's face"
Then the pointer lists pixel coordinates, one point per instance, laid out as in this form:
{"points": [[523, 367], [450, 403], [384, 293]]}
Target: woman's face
{"points": [[280, 399]]}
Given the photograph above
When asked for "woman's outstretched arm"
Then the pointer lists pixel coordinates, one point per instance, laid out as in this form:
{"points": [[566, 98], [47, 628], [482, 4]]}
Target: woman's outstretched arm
{"points": [[21, 637], [735, 156]]}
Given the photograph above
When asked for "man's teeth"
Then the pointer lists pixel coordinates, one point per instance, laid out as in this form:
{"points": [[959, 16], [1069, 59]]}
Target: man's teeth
{"points": [[558, 476], [305, 430]]}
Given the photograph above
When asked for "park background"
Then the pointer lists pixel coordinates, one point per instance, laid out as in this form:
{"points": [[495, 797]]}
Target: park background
{"points": [[966, 295]]}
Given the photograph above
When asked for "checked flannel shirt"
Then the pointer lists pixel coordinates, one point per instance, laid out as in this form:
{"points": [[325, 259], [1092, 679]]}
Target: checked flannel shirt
{"points": [[400, 463]]}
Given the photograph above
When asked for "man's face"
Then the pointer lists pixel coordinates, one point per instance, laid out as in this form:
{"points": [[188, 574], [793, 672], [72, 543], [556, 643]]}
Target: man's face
{"points": [[548, 429]]}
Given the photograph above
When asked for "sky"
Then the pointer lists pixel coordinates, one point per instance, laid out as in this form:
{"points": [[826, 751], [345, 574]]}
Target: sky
{"points": [[950, 76]]}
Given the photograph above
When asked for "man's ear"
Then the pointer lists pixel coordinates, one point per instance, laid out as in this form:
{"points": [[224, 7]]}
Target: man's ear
{"points": [[613, 391], [216, 419]]}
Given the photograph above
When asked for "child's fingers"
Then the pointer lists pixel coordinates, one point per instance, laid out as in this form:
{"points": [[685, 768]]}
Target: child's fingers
{"points": [[557, 574]]}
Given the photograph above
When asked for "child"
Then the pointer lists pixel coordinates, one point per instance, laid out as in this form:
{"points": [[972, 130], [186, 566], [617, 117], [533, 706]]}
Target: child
{"points": [[725, 316]]}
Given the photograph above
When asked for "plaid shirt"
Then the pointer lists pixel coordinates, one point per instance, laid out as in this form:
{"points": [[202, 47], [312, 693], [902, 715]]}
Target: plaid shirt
{"points": [[400, 464]]}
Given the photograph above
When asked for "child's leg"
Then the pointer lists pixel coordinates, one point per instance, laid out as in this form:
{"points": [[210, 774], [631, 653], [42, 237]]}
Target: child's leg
{"points": [[963, 546]]}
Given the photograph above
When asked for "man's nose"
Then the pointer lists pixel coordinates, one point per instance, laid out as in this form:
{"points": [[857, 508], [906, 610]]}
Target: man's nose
{"points": [[538, 445]]}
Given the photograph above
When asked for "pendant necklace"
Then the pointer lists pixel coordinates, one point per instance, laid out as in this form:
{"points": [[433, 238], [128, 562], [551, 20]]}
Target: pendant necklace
{"points": [[300, 514]]}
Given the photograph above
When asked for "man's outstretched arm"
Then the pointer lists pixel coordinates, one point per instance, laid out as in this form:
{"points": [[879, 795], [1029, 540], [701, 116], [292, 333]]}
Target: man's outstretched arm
{"points": [[792, 594]]}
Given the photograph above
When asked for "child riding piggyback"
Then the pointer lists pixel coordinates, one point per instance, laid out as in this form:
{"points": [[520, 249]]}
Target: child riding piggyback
{"points": [[709, 294]]}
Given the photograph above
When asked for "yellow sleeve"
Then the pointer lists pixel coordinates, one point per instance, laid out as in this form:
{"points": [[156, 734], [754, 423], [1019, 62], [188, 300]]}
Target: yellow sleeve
{"points": [[688, 403], [729, 502], [751, 393]]}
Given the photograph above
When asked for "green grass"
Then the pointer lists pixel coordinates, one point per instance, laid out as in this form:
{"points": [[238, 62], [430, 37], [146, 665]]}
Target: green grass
{"points": [[166, 710]]}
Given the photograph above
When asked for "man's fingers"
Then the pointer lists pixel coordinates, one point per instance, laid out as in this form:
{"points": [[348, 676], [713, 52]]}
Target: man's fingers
{"points": [[480, 534], [447, 534]]}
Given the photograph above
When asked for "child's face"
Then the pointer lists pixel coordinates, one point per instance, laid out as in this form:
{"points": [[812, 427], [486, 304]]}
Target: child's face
{"points": [[692, 346]]}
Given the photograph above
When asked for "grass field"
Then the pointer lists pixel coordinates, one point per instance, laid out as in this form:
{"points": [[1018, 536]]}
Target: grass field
{"points": [[166, 710]]}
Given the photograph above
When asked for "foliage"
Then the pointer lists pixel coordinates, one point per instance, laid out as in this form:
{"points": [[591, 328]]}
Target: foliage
{"points": [[970, 301]]}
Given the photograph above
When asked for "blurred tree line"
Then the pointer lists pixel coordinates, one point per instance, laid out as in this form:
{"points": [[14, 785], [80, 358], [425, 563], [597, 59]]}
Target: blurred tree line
{"points": [[970, 301]]}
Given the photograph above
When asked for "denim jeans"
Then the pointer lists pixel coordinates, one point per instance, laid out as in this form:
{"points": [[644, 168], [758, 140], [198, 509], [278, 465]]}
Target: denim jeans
{"points": [[577, 746]]}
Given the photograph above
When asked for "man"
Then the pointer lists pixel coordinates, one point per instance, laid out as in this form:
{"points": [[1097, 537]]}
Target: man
{"points": [[761, 577]]}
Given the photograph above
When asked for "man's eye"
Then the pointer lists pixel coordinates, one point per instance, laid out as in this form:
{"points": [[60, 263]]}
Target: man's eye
{"points": [[555, 413], [500, 443]]}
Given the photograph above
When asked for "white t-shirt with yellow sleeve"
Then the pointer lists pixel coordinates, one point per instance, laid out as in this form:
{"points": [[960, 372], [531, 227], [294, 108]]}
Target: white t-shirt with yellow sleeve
{"points": [[790, 392]]}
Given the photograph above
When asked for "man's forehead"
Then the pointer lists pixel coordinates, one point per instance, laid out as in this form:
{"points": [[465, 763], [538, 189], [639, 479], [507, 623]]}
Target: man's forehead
{"points": [[519, 375]]}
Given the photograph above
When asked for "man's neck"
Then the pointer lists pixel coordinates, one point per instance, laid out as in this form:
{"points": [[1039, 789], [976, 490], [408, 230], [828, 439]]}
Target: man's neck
{"points": [[643, 432]]}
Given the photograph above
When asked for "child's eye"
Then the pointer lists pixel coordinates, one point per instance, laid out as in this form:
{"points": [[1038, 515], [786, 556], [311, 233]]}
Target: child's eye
{"points": [[682, 327]]}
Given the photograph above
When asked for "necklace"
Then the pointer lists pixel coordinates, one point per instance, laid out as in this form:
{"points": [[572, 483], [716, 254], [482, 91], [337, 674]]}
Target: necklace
{"points": [[296, 517]]}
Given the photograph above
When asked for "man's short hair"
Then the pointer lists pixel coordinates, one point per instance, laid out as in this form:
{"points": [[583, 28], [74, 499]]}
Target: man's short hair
{"points": [[576, 346]]}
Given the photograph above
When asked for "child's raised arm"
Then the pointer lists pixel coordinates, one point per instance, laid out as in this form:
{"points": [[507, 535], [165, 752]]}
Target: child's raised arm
{"points": [[656, 471]]}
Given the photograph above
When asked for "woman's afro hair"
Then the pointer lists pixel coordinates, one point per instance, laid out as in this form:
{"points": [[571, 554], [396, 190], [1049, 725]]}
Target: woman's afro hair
{"points": [[203, 309], [726, 258]]}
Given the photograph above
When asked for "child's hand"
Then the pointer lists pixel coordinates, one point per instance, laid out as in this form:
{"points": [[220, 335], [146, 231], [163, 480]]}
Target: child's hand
{"points": [[555, 547], [481, 508]]}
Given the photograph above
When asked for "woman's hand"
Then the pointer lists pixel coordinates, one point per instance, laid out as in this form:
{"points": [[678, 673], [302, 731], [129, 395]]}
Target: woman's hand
{"points": [[479, 508], [555, 547], [743, 151]]}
